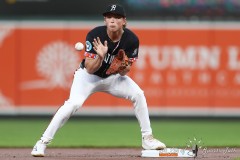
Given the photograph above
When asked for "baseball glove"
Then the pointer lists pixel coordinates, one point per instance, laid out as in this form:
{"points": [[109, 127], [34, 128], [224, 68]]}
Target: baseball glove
{"points": [[119, 63]]}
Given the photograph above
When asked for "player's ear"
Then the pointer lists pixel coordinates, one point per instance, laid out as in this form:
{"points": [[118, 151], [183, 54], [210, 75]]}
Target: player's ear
{"points": [[124, 22], [105, 21]]}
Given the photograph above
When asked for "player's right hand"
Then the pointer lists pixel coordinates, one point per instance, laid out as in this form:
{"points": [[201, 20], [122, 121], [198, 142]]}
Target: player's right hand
{"points": [[99, 48]]}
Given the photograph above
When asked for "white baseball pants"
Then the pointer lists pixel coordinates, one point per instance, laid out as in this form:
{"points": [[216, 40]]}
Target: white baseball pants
{"points": [[85, 84]]}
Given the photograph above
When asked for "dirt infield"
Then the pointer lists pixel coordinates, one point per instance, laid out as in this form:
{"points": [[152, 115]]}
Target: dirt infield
{"points": [[109, 153]]}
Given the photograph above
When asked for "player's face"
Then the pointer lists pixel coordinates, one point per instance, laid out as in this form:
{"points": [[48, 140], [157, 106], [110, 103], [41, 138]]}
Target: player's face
{"points": [[114, 22]]}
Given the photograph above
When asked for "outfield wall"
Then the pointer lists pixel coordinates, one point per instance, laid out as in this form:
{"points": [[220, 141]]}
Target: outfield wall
{"points": [[185, 68]]}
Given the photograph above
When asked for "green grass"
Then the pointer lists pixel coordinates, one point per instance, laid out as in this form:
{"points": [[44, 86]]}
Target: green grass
{"points": [[120, 133]]}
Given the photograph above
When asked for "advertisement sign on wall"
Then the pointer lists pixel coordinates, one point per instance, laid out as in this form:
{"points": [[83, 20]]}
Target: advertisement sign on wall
{"points": [[186, 67]]}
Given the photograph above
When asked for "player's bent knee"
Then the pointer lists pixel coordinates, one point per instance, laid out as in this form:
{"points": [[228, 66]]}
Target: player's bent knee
{"points": [[75, 105], [138, 96]]}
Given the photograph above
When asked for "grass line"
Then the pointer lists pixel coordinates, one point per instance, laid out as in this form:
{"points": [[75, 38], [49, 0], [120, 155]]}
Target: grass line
{"points": [[120, 133]]}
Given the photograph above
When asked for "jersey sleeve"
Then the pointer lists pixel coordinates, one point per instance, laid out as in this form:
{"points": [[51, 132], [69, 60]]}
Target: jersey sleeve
{"points": [[132, 50], [89, 51]]}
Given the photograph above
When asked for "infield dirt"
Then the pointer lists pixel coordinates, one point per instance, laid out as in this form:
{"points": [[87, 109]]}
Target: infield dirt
{"points": [[109, 153]]}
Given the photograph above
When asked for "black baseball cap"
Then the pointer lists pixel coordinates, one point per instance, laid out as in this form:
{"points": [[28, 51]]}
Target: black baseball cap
{"points": [[115, 9]]}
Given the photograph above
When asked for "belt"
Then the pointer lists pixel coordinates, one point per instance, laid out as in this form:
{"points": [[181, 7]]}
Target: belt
{"points": [[81, 66]]}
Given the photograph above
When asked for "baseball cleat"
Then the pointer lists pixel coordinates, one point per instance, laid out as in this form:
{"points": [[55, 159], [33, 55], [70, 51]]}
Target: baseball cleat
{"points": [[39, 149], [150, 143]]}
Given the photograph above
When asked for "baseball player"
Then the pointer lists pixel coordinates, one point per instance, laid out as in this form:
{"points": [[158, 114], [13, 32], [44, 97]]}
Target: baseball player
{"points": [[98, 74]]}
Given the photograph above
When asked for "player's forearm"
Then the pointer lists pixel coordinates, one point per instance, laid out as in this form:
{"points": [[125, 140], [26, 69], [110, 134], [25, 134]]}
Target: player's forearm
{"points": [[92, 65]]}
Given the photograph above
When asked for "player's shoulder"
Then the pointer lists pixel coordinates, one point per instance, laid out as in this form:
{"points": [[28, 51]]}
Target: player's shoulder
{"points": [[97, 30], [130, 35]]}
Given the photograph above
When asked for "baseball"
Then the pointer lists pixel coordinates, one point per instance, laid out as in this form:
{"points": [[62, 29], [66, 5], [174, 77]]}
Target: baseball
{"points": [[79, 46]]}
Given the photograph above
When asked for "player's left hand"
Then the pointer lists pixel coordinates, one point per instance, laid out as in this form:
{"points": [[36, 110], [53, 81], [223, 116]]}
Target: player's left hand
{"points": [[119, 64]]}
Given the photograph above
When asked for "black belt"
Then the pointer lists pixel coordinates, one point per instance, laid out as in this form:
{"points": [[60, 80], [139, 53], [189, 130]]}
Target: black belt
{"points": [[82, 66]]}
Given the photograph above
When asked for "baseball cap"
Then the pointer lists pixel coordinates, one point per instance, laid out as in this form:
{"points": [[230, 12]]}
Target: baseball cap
{"points": [[115, 9]]}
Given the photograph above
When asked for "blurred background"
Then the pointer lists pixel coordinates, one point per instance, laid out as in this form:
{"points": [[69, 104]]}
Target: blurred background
{"points": [[189, 60], [188, 67], [136, 9]]}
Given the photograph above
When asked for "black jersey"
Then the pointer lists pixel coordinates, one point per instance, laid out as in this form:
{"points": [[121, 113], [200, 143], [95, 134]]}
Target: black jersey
{"points": [[129, 43]]}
